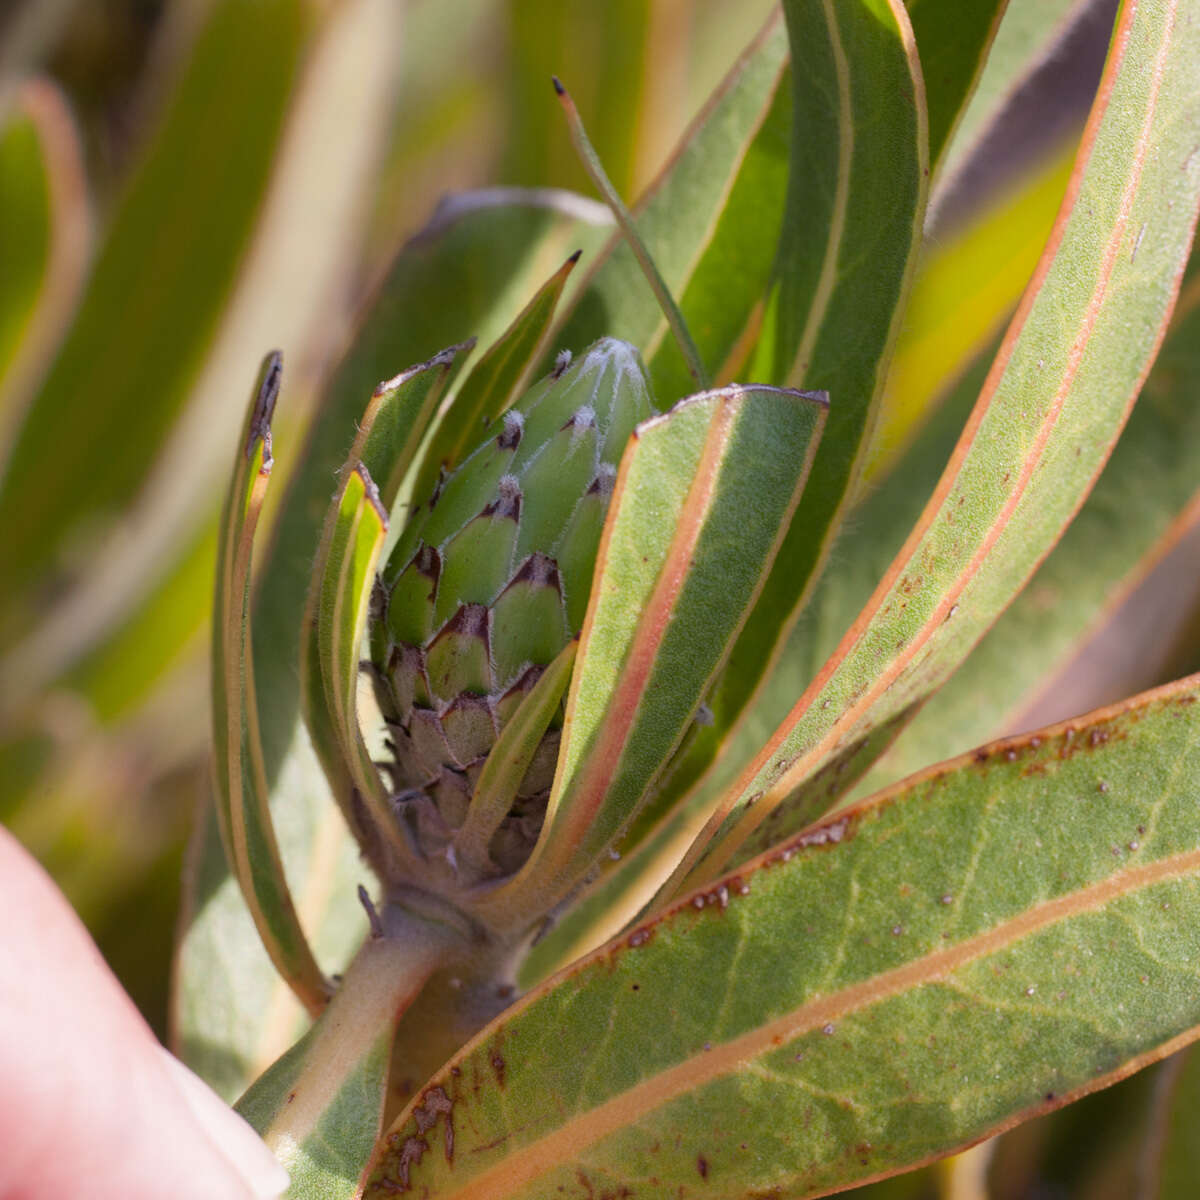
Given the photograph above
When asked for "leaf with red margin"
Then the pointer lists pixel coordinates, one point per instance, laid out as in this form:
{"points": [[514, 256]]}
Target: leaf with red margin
{"points": [[243, 813], [982, 944], [847, 253], [1056, 399], [701, 496]]}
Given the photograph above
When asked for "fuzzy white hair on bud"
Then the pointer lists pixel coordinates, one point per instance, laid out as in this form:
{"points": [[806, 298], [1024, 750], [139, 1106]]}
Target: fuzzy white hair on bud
{"points": [[562, 361]]}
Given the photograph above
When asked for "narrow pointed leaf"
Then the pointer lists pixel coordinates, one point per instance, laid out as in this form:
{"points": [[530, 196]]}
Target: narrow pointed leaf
{"points": [[492, 383], [228, 107], [389, 435], [807, 1024], [711, 223], [953, 40], [330, 669], [856, 202], [1053, 405], [699, 499], [1140, 505], [509, 759], [242, 809]]}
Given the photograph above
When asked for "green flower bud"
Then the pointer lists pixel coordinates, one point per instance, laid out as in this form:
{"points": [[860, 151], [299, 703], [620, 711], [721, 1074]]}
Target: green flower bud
{"points": [[488, 583]]}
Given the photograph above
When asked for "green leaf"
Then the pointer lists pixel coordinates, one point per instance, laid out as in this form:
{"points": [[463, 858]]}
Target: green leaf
{"points": [[233, 1015], [855, 205], [985, 943], [609, 50], [44, 238], [710, 222], [509, 759], [184, 223], [1138, 508], [693, 525], [968, 284], [492, 384], [1054, 403], [390, 433], [242, 809], [953, 40], [1171, 1160], [320, 171]]}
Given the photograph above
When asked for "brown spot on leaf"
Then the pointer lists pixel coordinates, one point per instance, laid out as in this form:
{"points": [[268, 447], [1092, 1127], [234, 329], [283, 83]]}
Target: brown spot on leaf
{"points": [[702, 1166]]}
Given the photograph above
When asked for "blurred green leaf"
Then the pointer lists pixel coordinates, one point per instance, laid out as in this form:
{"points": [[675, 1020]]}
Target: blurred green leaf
{"points": [[804, 1023], [44, 239], [968, 284], [601, 53], [1132, 514], [1171, 1156], [26, 230], [152, 303], [1030, 36]]}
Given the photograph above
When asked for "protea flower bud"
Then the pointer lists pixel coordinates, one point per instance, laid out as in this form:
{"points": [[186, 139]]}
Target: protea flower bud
{"points": [[488, 583]]}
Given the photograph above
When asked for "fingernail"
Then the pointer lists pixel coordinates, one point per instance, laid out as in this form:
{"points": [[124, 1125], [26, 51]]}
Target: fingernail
{"points": [[230, 1133]]}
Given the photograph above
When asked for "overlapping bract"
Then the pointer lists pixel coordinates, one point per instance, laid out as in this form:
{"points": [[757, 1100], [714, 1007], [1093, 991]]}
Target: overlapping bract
{"points": [[487, 585]]}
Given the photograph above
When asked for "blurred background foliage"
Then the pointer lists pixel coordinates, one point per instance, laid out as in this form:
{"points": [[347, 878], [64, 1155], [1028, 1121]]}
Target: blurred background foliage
{"points": [[187, 183]]}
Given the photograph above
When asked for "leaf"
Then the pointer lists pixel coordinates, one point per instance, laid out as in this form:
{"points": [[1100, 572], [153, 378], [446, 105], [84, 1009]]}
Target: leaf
{"points": [[968, 284], [329, 670], [242, 810], [1139, 506], [1024, 61], [953, 40], [492, 384], [610, 51], [710, 221], [44, 242], [1055, 401], [980, 945], [700, 496], [1171, 1158], [184, 225], [508, 760], [855, 206], [285, 288], [232, 1015]]}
